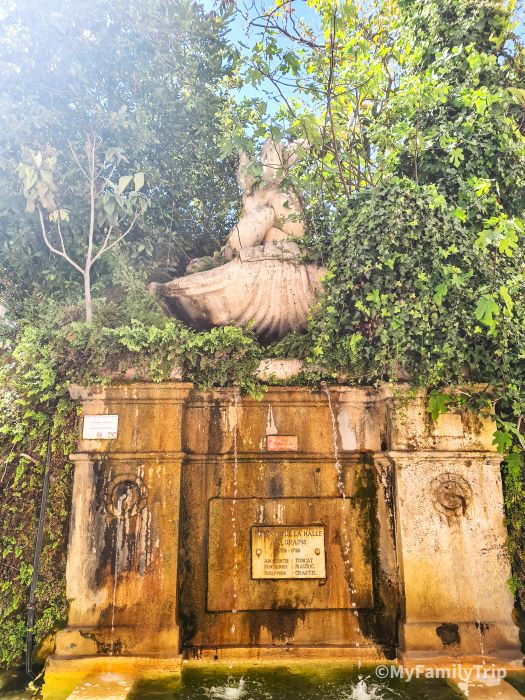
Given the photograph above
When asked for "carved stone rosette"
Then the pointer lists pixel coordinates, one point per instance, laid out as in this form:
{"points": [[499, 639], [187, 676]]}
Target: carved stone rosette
{"points": [[126, 494], [451, 495]]}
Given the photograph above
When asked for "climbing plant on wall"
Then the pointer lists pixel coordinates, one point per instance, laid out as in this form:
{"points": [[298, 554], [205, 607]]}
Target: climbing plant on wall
{"points": [[415, 190], [33, 400]]}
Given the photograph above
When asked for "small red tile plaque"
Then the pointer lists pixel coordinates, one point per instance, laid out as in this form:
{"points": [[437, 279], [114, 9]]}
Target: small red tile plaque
{"points": [[281, 443]]}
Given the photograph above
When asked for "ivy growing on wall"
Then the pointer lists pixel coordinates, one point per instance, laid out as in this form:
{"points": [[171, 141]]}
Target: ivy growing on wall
{"points": [[31, 386], [38, 365]]}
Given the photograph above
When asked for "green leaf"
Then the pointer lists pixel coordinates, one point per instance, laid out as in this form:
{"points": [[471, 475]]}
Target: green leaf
{"points": [[139, 181], [123, 182], [518, 94], [486, 309], [514, 462], [438, 403], [502, 440], [440, 292], [456, 156], [374, 297], [481, 186], [504, 292]]}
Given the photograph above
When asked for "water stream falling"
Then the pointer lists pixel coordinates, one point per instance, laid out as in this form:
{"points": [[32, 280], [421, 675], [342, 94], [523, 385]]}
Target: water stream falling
{"points": [[235, 577], [344, 505], [466, 547], [118, 544]]}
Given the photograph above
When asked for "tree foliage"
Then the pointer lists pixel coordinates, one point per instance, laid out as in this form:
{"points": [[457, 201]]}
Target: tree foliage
{"points": [[98, 203], [147, 82], [414, 191]]}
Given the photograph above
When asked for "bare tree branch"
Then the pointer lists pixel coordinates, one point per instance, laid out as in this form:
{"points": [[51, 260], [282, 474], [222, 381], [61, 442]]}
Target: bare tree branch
{"points": [[52, 248], [77, 160], [117, 240]]}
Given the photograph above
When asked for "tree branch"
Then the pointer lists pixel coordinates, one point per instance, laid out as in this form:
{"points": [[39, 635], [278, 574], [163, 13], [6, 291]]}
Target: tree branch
{"points": [[329, 107], [90, 147], [106, 247], [52, 248], [77, 161]]}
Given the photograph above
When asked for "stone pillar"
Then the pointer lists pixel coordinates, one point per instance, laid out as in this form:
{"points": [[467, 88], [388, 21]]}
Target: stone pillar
{"points": [[124, 535], [451, 537]]}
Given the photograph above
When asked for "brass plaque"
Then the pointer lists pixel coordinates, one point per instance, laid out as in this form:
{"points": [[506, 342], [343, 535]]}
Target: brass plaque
{"points": [[284, 552]]}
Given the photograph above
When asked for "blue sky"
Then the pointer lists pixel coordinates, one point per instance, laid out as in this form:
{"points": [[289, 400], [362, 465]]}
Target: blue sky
{"points": [[239, 26], [241, 33]]}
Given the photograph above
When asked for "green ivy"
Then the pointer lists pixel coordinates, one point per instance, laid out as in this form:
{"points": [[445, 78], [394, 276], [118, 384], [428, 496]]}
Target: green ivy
{"points": [[31, 386], [37, 366], [408, 294]]}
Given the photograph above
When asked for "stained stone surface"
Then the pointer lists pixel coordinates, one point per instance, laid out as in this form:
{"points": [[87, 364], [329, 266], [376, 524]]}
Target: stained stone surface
{"points": [[162, 516], [341, 590]]}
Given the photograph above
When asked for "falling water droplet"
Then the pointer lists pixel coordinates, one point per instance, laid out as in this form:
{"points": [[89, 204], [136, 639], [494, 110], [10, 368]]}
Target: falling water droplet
{"points": [[118, 545], [342, 493]]}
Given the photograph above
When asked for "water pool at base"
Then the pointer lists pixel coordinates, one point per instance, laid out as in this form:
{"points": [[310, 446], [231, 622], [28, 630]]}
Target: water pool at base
{"points": [[316, 681], [291, 684]]}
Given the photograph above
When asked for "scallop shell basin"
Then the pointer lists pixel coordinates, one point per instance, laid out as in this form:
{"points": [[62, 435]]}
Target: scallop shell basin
{"points": [[266, 285]]}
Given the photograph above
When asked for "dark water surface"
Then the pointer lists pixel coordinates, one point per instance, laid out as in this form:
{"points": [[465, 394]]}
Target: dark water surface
{"points": [[291, 684]]}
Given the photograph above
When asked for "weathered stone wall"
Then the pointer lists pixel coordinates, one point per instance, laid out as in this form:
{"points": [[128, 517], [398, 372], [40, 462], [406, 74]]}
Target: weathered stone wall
{"points": [[134, 611], [232, 482], [160, 554]]}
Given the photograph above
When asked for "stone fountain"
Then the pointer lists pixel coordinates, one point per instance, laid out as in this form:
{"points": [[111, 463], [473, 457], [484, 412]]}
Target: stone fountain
{"points": [[262, 279], [340, 524], [337, 524]]}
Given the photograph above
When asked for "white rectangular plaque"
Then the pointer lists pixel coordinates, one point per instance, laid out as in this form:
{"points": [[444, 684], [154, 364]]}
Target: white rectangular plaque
{"points": [[100, 427], [288, 552]]}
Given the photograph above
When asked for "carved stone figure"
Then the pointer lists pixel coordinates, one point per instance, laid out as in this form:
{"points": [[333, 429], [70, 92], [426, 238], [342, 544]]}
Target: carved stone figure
{"points": [[262, 280], [269, 212]]}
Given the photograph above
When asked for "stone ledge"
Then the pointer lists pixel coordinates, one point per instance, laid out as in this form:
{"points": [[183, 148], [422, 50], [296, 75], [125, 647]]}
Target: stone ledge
{"points": [[276, 655], [505, 658], [94, 456], [436, 455], [132, 391]]}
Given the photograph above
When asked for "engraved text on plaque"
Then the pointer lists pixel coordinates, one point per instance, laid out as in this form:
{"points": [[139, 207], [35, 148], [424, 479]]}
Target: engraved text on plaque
{"points": [[288, 552]]}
